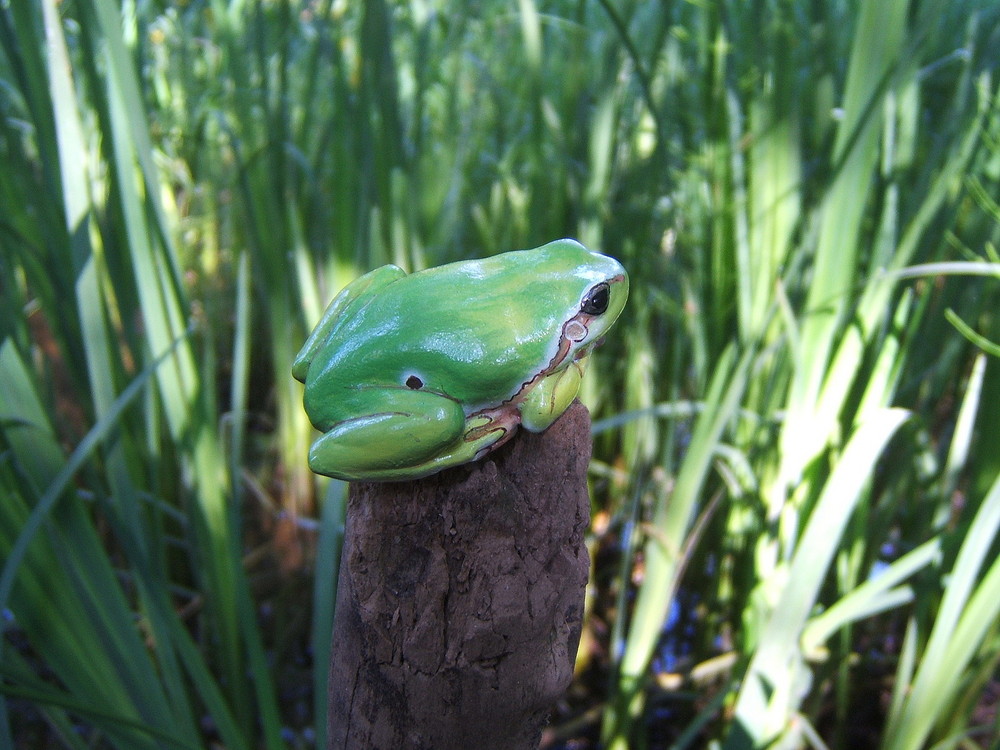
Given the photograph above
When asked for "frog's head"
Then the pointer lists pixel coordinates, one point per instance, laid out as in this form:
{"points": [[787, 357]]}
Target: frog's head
{"points": [[595, 287]]}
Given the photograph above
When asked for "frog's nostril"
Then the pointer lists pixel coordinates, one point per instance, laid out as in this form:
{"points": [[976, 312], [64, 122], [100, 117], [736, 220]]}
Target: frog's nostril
{"points": [[414, 382]]}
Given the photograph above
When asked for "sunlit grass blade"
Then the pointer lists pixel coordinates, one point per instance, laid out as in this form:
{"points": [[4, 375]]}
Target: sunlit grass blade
{"points": [[775, 196], [969, 608], [878, 290], [876, 52], [771, 690], [879, 593], [662, 553], [964, 433]]}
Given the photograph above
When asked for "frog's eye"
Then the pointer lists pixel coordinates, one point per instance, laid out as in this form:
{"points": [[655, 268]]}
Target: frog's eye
{"points": [[597, 299]]}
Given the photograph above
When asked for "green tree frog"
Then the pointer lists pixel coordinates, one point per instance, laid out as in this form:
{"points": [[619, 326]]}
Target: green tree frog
{"points": [[406, 375]]}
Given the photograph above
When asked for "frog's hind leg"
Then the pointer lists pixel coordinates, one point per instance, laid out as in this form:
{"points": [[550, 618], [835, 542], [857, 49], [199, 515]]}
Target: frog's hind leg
{"points": [[362, 288], [396, 441], [484, 436]]}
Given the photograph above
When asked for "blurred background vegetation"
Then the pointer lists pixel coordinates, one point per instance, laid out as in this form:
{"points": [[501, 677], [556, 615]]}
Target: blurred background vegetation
{"points": [[796, 483]]}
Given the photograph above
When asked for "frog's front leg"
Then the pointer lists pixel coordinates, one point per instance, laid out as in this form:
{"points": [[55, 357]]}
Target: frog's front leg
{"points": [[551, 396]]}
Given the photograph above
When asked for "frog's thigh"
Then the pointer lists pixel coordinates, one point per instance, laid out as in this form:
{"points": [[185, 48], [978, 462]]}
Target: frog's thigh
{"points": [[363, 287], [406, 428], [551, 397]]}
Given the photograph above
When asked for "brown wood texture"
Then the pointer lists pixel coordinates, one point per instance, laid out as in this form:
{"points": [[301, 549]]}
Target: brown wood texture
{"points": [[460, 599]]}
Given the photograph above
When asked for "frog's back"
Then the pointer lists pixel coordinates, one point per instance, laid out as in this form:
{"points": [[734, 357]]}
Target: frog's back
{"points": [[473, 330]]}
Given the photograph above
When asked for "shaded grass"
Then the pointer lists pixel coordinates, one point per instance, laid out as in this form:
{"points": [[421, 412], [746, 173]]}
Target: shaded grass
{"points": [[185, 186]]}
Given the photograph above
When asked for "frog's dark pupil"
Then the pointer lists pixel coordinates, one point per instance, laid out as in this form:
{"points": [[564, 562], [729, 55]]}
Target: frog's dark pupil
{"points": [[414, 382], [597, 299]]}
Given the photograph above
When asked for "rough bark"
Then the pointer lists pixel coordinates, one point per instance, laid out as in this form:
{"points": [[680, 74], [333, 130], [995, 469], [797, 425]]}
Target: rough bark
{"points": [[460, 599]]}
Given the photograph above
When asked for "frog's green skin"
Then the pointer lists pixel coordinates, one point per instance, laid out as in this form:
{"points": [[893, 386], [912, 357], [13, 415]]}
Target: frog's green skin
{"points": [[406, 375]]}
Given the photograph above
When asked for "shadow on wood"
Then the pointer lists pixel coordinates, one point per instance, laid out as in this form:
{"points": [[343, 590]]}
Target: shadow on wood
{"points": [[461, 598]]}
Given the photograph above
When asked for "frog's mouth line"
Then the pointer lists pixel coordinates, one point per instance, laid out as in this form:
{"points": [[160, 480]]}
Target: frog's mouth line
{"points": [[580, 321]]}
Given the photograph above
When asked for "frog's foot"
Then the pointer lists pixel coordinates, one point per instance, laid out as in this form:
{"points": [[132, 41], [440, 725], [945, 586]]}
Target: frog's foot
{"points": [[485, 435], [488, 430], [484, 432]]}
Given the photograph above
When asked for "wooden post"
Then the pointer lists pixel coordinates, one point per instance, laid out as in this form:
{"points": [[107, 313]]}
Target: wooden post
{"points": [[460, 599]]}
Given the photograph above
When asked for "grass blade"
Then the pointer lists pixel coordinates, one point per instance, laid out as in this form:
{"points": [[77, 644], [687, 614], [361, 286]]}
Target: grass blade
{"points": [[662, 554], [769, 695], [969, 608], [328, 549]]}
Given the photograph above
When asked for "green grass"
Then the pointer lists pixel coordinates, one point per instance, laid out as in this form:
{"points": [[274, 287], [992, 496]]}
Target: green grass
{"points": [[795, 483]]}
